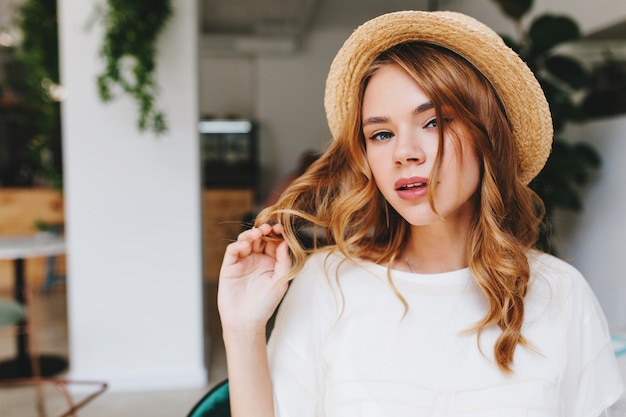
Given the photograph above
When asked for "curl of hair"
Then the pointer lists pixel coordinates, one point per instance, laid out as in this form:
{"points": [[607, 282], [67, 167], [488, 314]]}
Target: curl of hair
{"points": [[338, 196]]}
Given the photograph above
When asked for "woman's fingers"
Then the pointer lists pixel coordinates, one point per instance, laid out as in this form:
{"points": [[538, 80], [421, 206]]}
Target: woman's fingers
{"points": [[283, 260], [242, 247], [252, 241], [258, 245], [236, 250], [251, 234]]}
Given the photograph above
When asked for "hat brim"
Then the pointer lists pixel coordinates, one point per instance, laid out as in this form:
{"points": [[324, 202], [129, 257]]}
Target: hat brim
{"points": [[524, 101]]}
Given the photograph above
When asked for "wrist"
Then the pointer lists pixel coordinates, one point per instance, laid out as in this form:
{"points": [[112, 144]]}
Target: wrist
{"points": [[251, 332]]}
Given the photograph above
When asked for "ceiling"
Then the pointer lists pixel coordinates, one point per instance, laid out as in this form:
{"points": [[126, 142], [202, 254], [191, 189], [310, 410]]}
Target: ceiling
{"points": [[256, 17], [277, 26]]}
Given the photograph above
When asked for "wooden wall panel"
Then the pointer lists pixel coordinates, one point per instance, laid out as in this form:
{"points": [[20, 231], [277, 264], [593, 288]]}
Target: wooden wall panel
{"points": [[20, 209], [223, 213]]}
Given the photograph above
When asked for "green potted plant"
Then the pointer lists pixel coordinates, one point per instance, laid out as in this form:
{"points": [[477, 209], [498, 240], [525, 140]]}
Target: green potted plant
{"points": [[564, 80]]}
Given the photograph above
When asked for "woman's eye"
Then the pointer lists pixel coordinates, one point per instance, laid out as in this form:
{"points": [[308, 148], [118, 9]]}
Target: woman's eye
{"points": [[381, 136], [432, 124]]}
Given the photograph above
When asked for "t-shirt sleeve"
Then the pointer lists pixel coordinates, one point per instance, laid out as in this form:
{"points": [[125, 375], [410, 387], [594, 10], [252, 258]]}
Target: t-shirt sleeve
{"points": [[592, 380], [296, 342]]}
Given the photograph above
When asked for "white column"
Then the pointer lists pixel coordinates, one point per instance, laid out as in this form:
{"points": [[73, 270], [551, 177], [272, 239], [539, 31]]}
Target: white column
{"points": [[132, 214]]}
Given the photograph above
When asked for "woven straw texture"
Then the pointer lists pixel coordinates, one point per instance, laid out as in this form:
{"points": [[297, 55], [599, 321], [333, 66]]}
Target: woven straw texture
{"points": [[524, 100]]}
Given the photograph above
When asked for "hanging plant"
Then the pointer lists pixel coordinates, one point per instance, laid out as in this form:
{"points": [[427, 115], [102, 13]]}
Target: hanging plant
{"points": [[129, 51]]}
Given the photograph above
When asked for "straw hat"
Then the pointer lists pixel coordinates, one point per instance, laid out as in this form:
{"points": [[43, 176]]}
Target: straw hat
{"points": [[524, 101]]}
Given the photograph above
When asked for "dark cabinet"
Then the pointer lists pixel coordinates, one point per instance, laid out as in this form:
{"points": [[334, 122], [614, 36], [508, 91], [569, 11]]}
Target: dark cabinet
{"points": [[229, 153]]}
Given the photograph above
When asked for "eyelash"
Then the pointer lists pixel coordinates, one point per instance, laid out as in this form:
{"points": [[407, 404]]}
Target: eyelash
{"points": [[431, 124], [377, 136]]}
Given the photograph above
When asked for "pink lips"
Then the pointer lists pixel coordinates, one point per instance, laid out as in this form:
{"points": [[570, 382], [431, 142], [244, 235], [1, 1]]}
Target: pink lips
{"points": [[411, 188]]}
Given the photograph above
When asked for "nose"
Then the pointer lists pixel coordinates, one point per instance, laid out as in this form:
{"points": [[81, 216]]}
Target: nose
{"points": [[408, 149]]}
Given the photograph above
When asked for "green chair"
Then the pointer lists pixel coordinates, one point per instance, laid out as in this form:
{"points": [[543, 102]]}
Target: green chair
{"points": [[11, 313], [215, 403]]}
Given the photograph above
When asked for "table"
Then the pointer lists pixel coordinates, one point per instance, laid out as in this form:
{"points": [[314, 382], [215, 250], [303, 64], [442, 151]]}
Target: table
{"points": [[18, 248]]}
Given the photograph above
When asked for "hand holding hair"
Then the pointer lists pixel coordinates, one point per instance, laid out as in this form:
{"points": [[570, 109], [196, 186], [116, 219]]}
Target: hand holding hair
{"points": [[249, 289]]}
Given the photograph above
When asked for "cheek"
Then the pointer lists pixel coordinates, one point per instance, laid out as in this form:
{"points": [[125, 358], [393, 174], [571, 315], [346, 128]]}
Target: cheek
{"points": [[470, 171], [377, 171], [372, 160], [462, 166]]}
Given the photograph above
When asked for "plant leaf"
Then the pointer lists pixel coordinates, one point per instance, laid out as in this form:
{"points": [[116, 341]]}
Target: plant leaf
{"points": [[568, 70], [588, 154], [548, 30], [561, 106], [515, 9], [129, 52]]}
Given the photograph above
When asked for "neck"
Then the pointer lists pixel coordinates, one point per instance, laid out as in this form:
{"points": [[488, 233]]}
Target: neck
{"points": [[437, 248]]}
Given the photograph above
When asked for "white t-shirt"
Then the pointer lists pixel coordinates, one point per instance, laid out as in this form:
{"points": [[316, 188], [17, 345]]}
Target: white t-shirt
{"points": [[345, 348]]}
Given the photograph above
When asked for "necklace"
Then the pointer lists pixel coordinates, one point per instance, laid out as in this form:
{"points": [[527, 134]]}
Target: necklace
{"points": [[406, 259]]}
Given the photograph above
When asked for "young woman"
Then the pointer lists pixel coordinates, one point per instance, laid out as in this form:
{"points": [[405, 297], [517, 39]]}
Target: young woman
{"points": [[424, 296]]}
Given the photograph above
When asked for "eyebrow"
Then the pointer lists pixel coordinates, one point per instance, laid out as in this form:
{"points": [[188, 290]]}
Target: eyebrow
{"points": [[423, 107], [382, 119]]}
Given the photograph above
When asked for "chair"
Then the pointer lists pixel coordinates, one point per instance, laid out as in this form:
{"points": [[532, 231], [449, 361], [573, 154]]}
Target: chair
{"points": [[14, 320], [11, 313], [215, 403]]}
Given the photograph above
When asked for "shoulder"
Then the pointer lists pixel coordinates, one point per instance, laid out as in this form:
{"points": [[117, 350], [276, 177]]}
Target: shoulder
{"points": [[312, 301], [559, 282], [314, 278], [546, 264], [549, 271]]}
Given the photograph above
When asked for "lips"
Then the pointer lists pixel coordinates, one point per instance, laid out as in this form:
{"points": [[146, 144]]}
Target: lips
{"points": [[412, 186], [411, 189], [411, 183]]}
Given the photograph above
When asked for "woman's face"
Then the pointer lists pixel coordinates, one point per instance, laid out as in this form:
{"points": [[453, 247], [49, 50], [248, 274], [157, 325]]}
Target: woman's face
{"points": [[401, 136]]}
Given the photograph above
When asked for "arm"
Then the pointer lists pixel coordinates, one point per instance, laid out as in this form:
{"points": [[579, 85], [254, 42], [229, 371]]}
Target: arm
{"points": [[248, 374], [248, 294]]}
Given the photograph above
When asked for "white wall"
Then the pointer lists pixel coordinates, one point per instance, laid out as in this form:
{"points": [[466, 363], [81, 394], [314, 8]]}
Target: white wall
{"points": [[290, 103], [133, 215], [228, 87], [593, 239]]}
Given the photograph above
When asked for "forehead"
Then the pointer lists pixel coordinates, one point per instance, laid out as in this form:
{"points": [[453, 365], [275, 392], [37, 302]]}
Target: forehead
{"points": [[391, 85]]}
